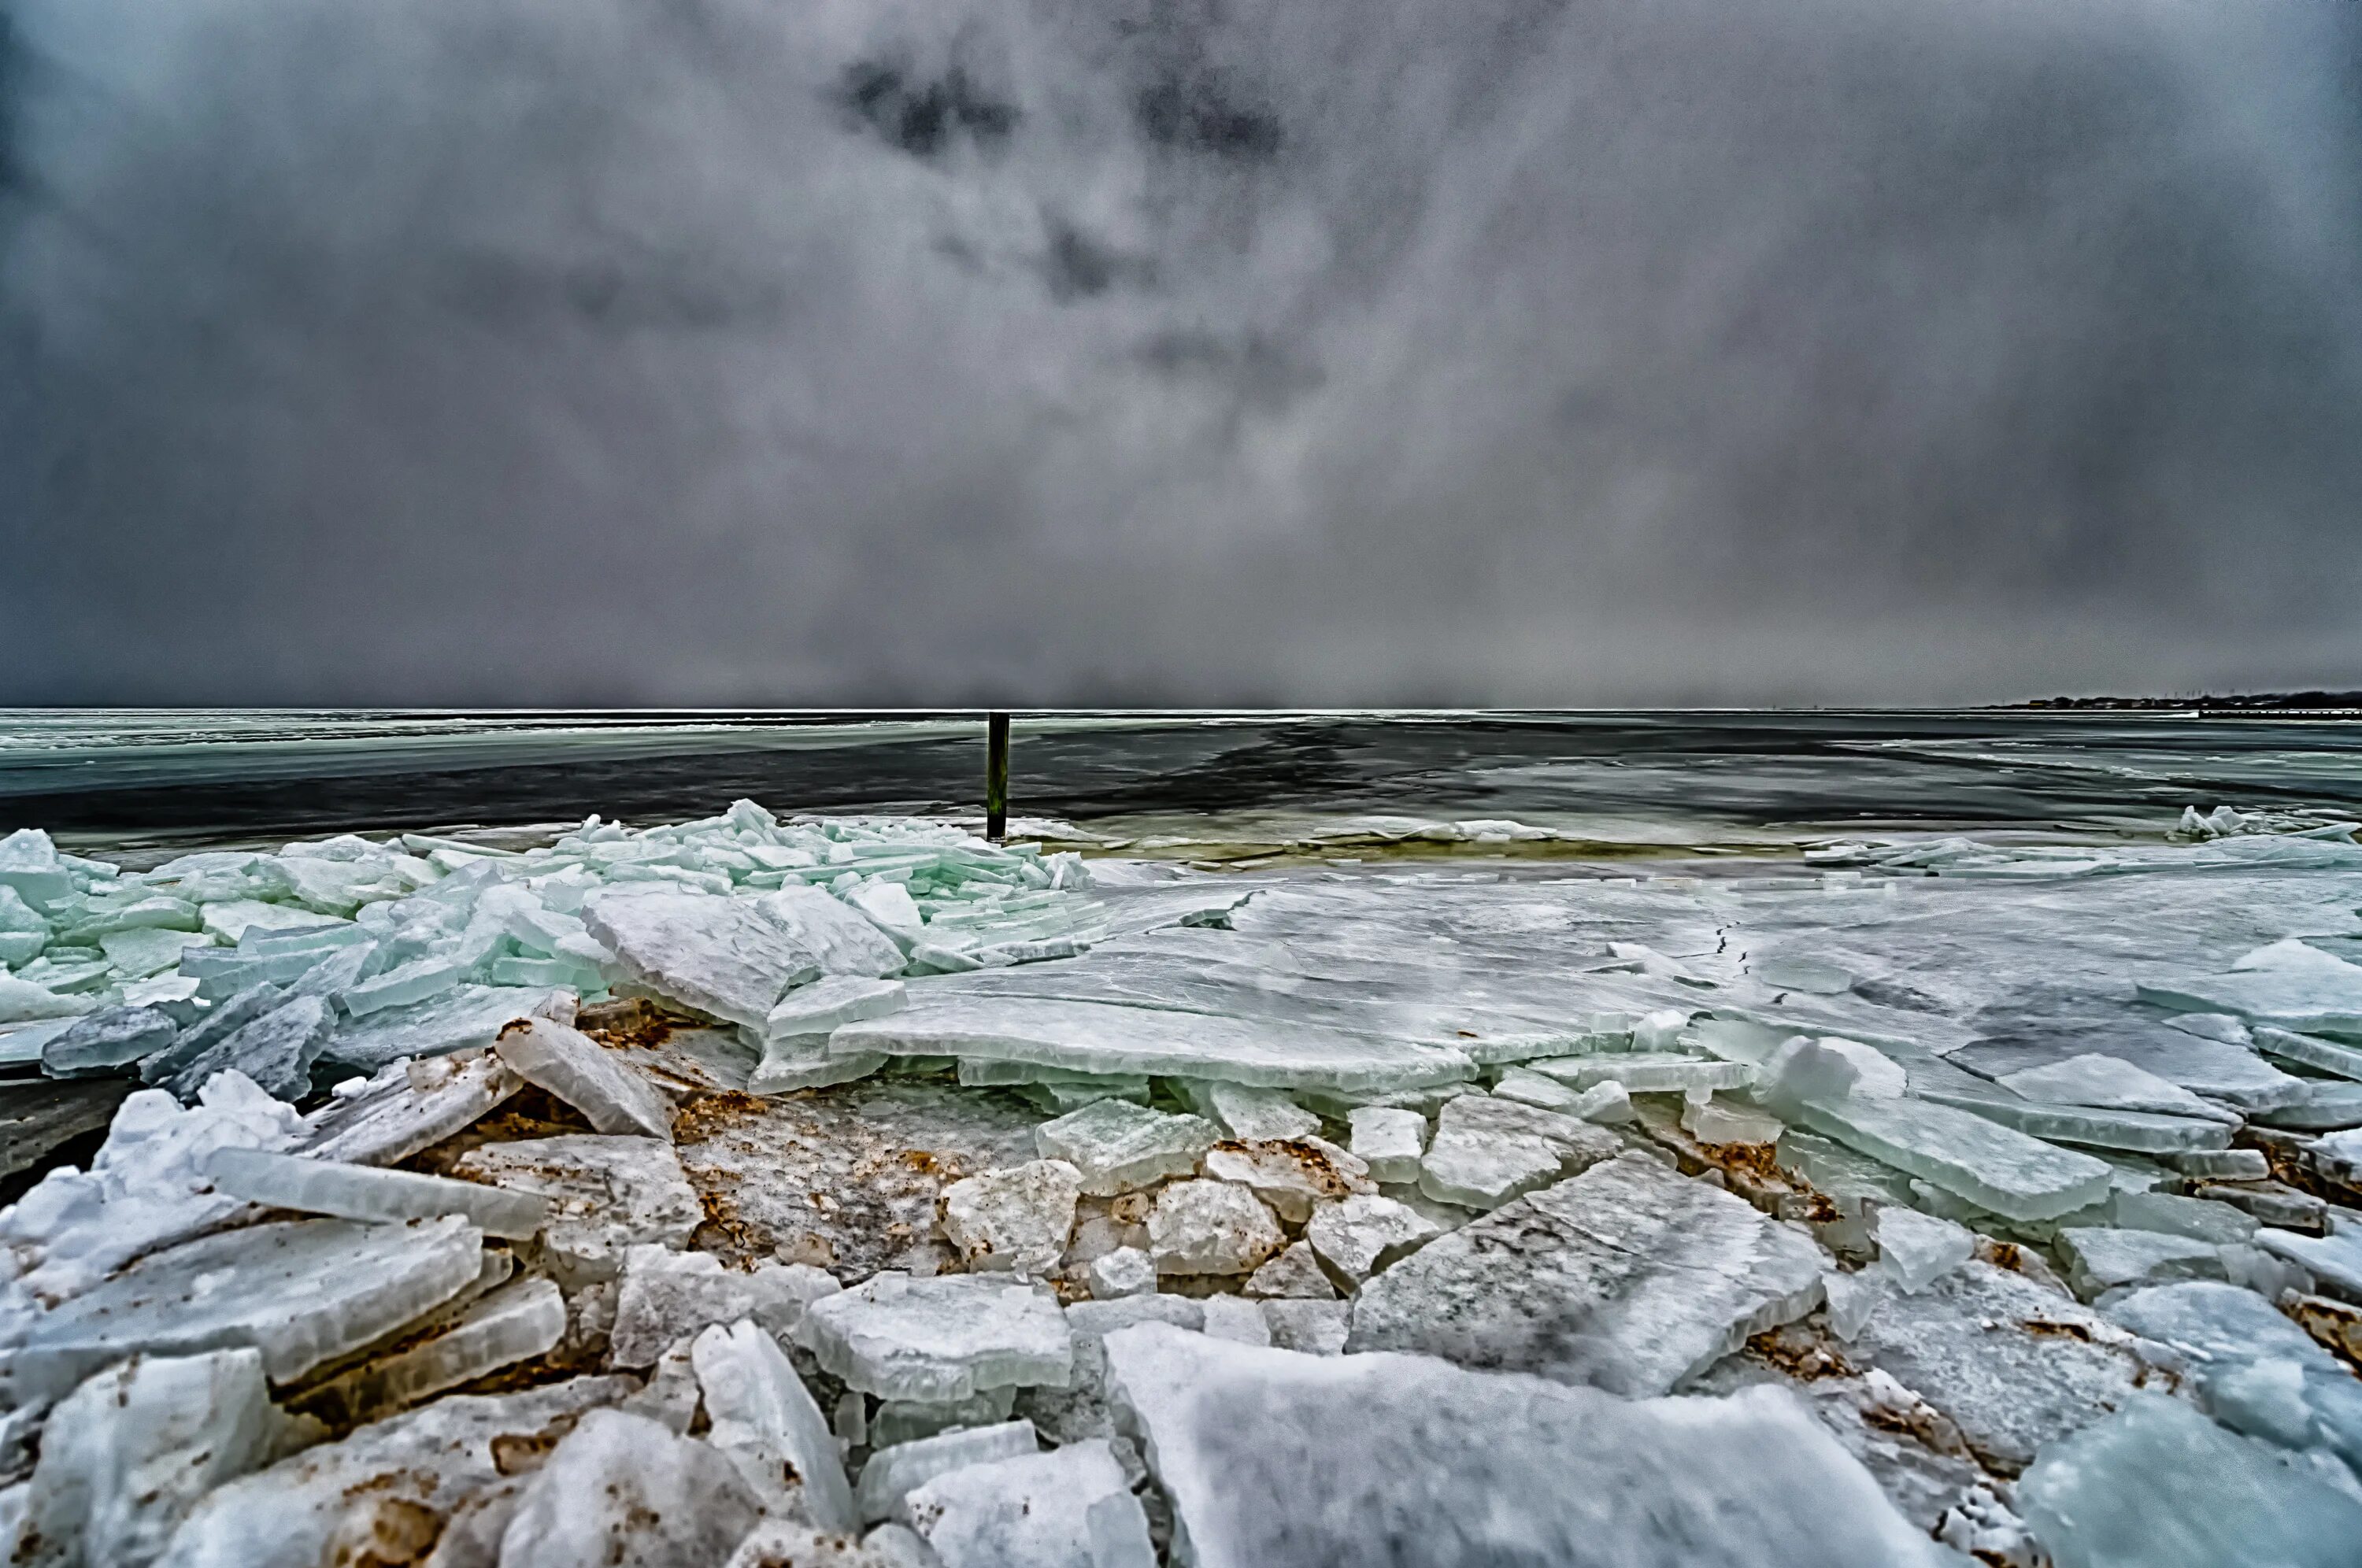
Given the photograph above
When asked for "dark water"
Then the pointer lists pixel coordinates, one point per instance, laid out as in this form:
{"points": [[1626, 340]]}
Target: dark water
{"points": [[126, 777]]}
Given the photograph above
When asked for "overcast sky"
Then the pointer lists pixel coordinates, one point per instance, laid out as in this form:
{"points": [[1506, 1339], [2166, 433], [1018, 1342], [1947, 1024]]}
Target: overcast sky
{"points": [[1207, 352]]}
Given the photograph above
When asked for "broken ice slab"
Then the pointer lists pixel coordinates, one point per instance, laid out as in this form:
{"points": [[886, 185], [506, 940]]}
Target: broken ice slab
{"points": [[2158, 1486], [504, 1327], [1291, 1176], [22, 1001], [2231, 1073], [461, 1019], [620, 1489], [941, 1338], [107, 1040], [2311, 1051], [1961, 1152], [407, 1107], [1363, 1234], [1629, 1276], [2205, 1219], [126, 1455], [1487, 1151], [300, 1292], [1314, 1327], [1210, 1227], [804, 1061], [1532, 1088], [2138, 1131], [1253, 1114], [716, 954], [1016, 1218], [666, 1296], [1070, 1508], [2223, 1335], [841, 941], [1294, 1273], [893, 1472], [1126, 1271], [1918, 1249], [1646, 1072], [764, 1422], [1390, 1139], [2335, 1260], [2108, 1083], [401, 986], [587, 1076], [2102, 1258], [604, 1193], [1117, 1145], [907, 1421], [276, 1051], [312, 1186], [2327, 1105], [2219, 1165], [1106, 1037], [1721, 1121], [136, 955], [833, 1001], [393, 1480], [2014, 1362], [1395, 1446]]}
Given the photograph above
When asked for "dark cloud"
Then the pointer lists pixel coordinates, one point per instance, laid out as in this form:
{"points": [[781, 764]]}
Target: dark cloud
{"points": [[1516, 351]]}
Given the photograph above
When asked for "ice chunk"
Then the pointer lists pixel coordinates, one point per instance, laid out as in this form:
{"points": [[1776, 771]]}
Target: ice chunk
{"points": [[1210, 1227], [496, 1329], [620, 1488], [1291, 1178], [127, 1454], [1487, 1151], [461, 1019], [587, 1076], [716, 954], [1961, 1152], [30, 867], [2200, 1217], [2158, 1486], [1294, 1273], [831, 1003], [1646, 1072], [666, 1295], [2310, 1051], [604, 1194], [1127, 1271], [22, 1000], [1252, 1115], [1363, 1234], [939, 1340], [892, 1473], [143, 953], [359, 1192], [1919, 1249], [407, 1107], [892, 911], [1108, 1037], [2287, 985], [2138, 1131], [390, 1481], [1608, 1104], [106, 1041], [276, 1051], [1532, 1088], [804, 1061], [787, 1543], [1067, 1508], [402, 984], [1237, 1319], [2108, 1082], [843, 942], [765, 1424], [907, 1421], [2219, 1165], [2336, 1257], [1316, 1328], [1629, 1276], [1015, 1219], [1716, 1121], [2102, 1258], [2222, 1330], [1388, 1140], [300, 1292], [1397, 1446], [1117, 1145]]}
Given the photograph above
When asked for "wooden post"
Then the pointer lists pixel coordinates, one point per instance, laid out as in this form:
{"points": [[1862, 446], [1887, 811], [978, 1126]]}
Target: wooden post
{"points": [[996, 776]]}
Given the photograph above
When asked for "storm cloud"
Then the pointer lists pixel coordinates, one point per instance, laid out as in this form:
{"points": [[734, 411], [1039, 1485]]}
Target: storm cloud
{"points": [[1198, 351]]}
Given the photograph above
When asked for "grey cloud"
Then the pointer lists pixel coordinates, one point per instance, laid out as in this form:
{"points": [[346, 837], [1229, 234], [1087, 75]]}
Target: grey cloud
{"points": [[1138, 351]]}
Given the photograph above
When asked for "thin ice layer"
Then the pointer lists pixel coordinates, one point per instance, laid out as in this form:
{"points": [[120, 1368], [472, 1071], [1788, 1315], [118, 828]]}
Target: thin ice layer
{"points": [[1421, 1465], [1103, 1037]]}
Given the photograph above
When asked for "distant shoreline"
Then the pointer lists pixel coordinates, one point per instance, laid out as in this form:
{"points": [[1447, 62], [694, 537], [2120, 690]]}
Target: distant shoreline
{"points": [[2338, 702]]}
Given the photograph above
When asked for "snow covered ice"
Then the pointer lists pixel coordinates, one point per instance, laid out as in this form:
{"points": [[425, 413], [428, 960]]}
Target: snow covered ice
{"points": [[853, 1187]]}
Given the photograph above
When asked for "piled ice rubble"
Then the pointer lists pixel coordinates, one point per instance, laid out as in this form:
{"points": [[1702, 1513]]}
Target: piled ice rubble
{"points": [[750, 1192]]}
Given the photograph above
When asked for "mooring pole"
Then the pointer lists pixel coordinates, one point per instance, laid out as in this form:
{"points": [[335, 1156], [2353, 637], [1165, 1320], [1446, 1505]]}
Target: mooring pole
{"points": [[996, 776]]}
